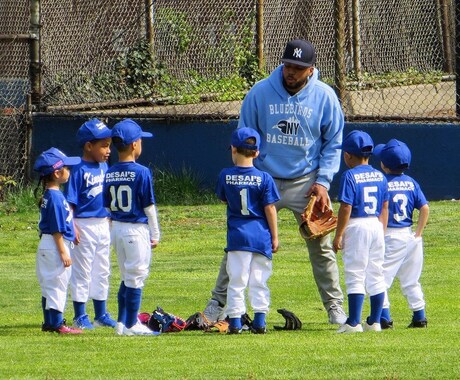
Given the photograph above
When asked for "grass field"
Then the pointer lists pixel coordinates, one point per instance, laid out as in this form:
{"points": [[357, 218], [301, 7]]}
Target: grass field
{"points": [[183, 272]]}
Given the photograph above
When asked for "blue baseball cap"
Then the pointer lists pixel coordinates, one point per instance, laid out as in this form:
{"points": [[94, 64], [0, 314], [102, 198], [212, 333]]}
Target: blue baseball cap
{"points": [[299, 52], [129, 131], [93, 129], [394, 154], [358, 143], [240, 135], [53, 159]]}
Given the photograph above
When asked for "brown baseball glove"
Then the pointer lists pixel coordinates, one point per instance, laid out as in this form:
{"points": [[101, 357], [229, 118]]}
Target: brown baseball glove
{"points": [[316, 223]]}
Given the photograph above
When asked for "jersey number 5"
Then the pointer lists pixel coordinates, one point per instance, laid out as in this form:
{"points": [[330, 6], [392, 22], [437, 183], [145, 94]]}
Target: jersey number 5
{"points": [[370, 200], [121, 198]]}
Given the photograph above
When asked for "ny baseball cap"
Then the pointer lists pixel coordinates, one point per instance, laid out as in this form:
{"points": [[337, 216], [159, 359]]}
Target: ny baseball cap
{"points": [[394, 154], [240, 135], [129, 131], [358, 143], [93, 129], [53, 159], [299, 52]]}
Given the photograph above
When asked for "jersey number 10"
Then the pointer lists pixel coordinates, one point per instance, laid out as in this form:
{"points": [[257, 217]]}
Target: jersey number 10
{"points": [[121, 198]]}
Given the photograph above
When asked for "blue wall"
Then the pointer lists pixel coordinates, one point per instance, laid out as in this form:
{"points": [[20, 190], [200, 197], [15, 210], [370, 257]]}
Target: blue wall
{"points": [[203, 147]]}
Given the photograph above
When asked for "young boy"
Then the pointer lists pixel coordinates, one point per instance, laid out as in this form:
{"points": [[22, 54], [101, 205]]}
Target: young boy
{"points": [[128, 193], [57, 233], [252, 233], [91, 251], [362, 217], [403, 249]]}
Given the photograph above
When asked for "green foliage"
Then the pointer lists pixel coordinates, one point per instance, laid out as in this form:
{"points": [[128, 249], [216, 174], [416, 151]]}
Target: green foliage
{"points": [[177, 27], [18, 200], [6, 184], [183, 187]]}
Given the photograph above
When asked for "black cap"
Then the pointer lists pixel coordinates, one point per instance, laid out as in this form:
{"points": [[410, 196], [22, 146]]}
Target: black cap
{"points": [[299, 52]]}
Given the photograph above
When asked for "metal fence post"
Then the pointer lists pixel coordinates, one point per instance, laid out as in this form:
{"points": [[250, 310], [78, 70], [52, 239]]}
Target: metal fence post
{"points": [[340, 79], [260, 32], [457, 57], [34, 53]]}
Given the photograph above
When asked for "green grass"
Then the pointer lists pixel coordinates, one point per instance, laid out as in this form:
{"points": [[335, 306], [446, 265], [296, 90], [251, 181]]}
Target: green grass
{"points": [[183, 272]]}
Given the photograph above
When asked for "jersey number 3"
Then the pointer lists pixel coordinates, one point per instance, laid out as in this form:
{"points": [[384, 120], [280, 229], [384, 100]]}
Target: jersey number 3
{"points": [[121, 198]]}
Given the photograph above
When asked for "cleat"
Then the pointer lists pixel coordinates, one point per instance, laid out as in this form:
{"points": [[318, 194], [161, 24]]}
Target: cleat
{"points": [[374, 327], [418, 324], [258, 330], [64, 329], [385, 325], [83, 323], [105, 321], [214, 312], [119, 328], [47, 328], [336, 315], [348, 329], [139, 329], [234, 330]]}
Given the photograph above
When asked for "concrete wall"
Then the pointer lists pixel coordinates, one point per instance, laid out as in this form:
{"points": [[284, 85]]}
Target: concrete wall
{"points": [[203, 148]]}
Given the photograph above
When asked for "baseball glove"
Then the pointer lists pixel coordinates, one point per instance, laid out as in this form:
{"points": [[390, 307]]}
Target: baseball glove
{"points": [[163, 322], [292, 322], [197, 321], [316, 223]]}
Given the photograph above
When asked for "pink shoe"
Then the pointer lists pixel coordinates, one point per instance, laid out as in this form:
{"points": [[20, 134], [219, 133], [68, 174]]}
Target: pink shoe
{"points": [[64, 329]]}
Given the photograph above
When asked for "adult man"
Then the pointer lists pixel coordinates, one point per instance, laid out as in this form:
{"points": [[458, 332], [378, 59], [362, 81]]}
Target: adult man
{"points": [[300, 122]]}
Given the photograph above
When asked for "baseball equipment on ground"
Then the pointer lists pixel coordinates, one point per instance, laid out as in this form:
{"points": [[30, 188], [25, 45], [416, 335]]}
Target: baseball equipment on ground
{"points": [[219, 326], [160, 321], [316, 223], [292, 322], [197, 321]]}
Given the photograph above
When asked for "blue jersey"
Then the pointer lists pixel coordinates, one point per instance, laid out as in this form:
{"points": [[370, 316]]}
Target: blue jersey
{"points": [[247, 191], [365, 189], [84, 189], [56, 215], [128, 189], [405, 196]]}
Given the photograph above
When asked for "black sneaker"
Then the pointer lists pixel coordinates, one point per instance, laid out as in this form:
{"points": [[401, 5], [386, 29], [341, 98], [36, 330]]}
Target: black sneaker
{"points": [[385, 325], [418, 324], [47, 328], [258, 330], [234, 330]]}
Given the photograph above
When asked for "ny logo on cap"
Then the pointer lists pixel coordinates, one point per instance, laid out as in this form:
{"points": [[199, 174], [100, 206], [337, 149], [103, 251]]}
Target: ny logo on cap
{"points": [[297, 53]]}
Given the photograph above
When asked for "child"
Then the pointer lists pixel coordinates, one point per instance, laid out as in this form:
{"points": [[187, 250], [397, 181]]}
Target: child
{"points": [[128, 193], [56, 236], [362, 217], [252, 233], [91, 252], [403, 249]]}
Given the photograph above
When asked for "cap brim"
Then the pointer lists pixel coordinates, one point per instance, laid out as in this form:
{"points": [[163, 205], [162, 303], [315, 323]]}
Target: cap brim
{"points": [[146, 134], [69, 161], [298, 63]]}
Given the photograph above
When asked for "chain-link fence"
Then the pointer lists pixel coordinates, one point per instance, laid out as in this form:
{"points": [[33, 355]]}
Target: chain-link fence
{"points": [[14, 89], [387, 59]]}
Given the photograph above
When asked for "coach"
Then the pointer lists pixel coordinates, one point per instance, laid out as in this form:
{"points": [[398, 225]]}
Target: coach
{"points": [[300, 121]]}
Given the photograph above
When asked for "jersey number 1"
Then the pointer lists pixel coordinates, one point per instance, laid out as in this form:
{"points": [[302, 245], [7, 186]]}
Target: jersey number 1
{"points": [[244, 201]]}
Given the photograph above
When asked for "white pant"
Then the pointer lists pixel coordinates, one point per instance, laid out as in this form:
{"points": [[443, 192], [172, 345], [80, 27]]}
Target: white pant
{"points": [[252, 271], [404, 259], [363, 252], [53, 277], [91, 260], [132, 245]]}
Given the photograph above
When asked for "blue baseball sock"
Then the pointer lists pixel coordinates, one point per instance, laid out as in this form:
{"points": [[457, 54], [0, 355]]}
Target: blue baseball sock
{"points": [[355, 308], [235, 323], [122, 303], [133, 304], [56, 318], [259, 320], [79, 309], [376, 308], [419, 315], [100, 308], [386, 314], [46, 313]]}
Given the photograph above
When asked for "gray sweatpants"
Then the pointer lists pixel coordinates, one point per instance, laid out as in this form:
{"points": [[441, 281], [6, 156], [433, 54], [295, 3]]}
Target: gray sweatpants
{"points": [[322, 257]]}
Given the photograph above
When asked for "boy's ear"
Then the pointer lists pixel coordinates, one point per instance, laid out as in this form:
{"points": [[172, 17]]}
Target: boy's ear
{"points": [[257, 154]]}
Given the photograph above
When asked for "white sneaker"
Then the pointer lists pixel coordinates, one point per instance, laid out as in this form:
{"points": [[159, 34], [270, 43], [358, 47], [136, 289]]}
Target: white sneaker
{"points": [[138, 329], [119, 328], [348, 329], [374, 327], [336, 315], [214, 312]]}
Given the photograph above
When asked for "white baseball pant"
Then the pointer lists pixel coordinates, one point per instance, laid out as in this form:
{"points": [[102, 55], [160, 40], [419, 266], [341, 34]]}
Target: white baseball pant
{"points": [[91, 260], [363, 252], [404, 259], [247, 270], [132, 246], [53, 277]]}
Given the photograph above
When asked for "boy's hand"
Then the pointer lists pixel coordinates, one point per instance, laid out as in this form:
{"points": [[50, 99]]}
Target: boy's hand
{"points": [[337, 243], [275, 245], [66, 260], [153, 243]]}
